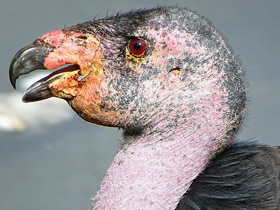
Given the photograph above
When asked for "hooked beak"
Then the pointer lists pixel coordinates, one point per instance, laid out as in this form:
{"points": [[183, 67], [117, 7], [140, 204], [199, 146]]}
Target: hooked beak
{"points": [[28, 59], [32, 58], [73, 56]]}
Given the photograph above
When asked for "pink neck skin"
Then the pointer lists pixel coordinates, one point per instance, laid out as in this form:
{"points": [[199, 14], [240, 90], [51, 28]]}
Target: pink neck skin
{"points": [[154, 171]]}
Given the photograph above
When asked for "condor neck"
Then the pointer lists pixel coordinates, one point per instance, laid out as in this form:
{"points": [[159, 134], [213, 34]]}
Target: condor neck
{"points": [[154, 170]]}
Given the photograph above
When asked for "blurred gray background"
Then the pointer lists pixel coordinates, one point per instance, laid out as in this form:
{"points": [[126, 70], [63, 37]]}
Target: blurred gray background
{"points": [[61, 166]]}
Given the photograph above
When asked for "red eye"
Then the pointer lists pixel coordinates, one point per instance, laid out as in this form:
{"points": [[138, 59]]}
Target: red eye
{"points": [[137, 47]]}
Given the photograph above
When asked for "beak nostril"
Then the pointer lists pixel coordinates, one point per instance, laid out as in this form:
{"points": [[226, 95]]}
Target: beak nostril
{"points": [[83, 38]]}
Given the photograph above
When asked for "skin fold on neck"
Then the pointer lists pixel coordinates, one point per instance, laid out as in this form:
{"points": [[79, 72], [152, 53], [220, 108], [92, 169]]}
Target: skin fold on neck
{"points": [[155, 169]]}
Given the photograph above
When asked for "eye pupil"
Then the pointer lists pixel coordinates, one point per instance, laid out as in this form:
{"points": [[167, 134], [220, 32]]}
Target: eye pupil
{"points": [[137, 47]]}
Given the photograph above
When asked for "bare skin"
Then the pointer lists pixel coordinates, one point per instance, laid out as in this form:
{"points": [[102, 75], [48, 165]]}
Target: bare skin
{"points": [[165, 76]]}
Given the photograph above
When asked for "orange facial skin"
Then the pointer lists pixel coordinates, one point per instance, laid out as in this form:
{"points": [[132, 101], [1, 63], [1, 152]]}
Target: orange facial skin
{"points": [[165, 76], [82, 84], [110, 83]]}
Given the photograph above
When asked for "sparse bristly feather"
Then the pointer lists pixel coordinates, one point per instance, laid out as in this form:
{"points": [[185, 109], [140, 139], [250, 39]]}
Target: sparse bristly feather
{"points": [[169, 79]]}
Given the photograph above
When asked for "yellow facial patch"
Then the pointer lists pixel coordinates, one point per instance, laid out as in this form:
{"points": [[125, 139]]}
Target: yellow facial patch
{"points": [[131, 57]]}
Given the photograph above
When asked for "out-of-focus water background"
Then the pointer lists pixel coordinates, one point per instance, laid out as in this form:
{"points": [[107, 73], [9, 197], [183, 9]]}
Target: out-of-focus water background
{"points": [[55, 160]]}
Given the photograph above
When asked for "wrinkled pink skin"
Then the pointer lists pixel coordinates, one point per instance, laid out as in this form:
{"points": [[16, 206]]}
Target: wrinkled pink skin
{"points": [[154, 173], [156, 169]]}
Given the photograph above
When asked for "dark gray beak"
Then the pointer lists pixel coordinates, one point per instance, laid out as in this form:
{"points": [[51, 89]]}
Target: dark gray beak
{"points": [[28, 59]]}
